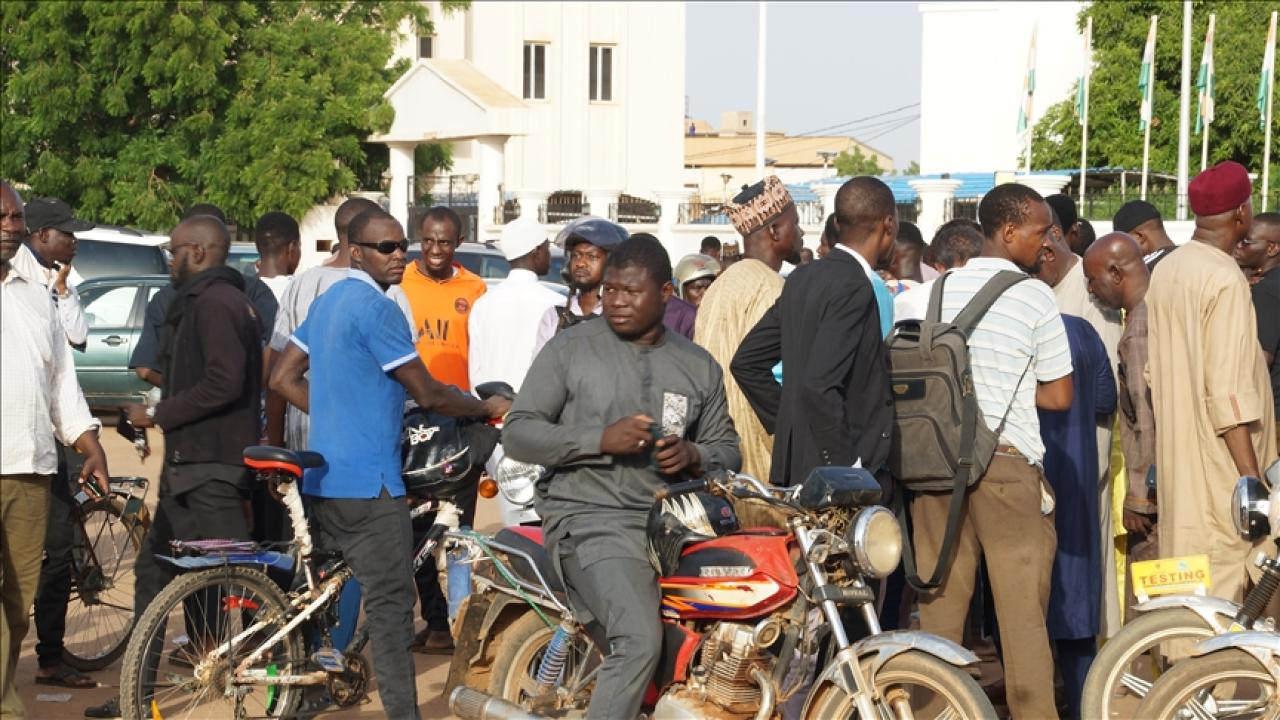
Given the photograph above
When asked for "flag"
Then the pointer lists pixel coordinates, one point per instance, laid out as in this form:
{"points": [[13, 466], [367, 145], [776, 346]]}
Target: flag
{"points": [[1265, 79], [1204, 81], [1028, 88], [1086, 69], [1146, 76]]}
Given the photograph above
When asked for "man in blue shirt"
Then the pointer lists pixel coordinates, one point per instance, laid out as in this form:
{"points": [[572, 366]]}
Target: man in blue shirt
{"points": [[357, 348]]}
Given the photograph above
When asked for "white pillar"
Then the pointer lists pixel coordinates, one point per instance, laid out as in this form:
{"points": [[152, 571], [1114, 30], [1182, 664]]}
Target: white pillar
{"points": [[934, 194], [401, 168], [491, 163], [669, 202], [827, 193], [1046, 185], [530, 201], [601, 202]]}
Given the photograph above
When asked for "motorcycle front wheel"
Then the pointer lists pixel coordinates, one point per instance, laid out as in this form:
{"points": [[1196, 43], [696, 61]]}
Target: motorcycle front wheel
{"points": [[1225, 684], [931, 687]]}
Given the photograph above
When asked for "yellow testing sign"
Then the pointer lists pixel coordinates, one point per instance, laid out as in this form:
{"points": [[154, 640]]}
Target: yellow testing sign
{"points": [[1188, 575]]}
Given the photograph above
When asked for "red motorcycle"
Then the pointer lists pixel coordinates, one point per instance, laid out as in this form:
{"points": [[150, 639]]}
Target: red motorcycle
{"points": [[753, 582]]}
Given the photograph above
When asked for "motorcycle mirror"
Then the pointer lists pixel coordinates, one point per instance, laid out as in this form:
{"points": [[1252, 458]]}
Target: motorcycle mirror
{"points": [[1251, 508]]}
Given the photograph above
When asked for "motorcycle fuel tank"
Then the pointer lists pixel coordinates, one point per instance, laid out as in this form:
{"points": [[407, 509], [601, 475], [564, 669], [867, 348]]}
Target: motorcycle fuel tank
{"points": [[742, 575]]}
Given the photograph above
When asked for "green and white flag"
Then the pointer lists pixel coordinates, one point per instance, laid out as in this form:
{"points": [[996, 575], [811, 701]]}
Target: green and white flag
{"points": [[1147, 77], [1086, 69], [1028, 87], [1205, 81], [1266, 78]]}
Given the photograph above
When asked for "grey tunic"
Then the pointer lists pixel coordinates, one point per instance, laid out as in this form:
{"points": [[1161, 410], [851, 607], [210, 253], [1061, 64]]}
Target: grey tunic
{"points": [[585, 379]]}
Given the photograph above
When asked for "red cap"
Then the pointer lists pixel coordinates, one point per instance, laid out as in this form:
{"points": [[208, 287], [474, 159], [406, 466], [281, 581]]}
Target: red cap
{"points": [[1221, 188]]}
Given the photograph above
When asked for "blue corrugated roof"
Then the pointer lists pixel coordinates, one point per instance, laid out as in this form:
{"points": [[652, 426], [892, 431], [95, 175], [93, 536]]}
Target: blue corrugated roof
{"points": [[972, 185]]}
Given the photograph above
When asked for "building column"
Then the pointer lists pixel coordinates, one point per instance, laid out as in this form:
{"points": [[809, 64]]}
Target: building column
{"points": [[491, 162], [530, 201], [401, 168], [1046, 185], [603, 203], [669, 202], [935, 203], [826, 192]]}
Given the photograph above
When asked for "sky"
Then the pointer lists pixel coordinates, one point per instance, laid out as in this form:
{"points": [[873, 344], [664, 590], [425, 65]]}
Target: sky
{"points": [[828, 63]]}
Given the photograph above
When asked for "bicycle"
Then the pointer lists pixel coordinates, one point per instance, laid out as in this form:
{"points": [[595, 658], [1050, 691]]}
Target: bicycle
{"points": [[108, 535], [247, 640]]}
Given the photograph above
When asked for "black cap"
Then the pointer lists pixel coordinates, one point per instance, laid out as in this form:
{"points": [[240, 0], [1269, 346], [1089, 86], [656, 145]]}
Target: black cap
{"points": [[53, 213], [1065, 208], [597, 231], [1132, 214]]}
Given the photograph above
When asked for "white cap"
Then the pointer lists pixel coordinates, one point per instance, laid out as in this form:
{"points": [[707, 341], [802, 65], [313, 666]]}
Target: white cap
{"points": [[520, 237]]}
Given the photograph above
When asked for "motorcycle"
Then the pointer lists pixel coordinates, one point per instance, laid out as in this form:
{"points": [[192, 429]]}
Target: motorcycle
{"points": [[753, 581], [1228, 676], [1128, 661]]}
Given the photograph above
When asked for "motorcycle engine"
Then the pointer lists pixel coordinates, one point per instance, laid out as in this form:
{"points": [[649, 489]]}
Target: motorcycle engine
{"points": [[729, 653]]}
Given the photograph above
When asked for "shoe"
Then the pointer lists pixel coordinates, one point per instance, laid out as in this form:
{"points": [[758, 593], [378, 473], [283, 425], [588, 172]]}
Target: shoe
{"points": [[433, 642], [109, 710]]}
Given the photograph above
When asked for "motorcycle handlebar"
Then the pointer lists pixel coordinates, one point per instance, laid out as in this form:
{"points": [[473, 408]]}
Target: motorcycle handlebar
{"points": [[682, 488]]}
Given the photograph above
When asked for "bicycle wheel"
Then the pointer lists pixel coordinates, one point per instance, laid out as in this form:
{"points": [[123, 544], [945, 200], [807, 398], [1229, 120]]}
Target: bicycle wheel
{"points": [[172, 668], [100, 610]]}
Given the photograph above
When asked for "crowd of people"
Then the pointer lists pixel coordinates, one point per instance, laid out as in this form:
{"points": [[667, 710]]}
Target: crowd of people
{"points": [[1104, 360]]}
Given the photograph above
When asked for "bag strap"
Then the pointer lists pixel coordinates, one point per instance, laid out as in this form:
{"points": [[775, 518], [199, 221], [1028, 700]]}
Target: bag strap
{"points": [[968, 317], [934, 313]]}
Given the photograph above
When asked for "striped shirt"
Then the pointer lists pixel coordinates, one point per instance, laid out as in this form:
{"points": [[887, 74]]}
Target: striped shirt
{"points": [[1022, 331]]}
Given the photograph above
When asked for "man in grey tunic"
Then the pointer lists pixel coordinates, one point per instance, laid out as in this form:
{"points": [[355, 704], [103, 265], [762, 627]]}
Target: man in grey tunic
{"points": [[593, 402]]}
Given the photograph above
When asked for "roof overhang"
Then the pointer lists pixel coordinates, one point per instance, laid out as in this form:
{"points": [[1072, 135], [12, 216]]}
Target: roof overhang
{"points": [[446, 100]]}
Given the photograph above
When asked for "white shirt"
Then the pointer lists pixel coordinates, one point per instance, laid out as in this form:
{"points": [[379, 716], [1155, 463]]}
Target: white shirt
{"points": [[39, 394], [278, 285], [912, 303], [866, 266], [504, 327], [70, 312], [551, 319]]}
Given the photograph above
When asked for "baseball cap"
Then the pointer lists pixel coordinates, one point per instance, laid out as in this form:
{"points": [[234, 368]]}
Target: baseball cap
{"points": [[1132, 214], [53, 213], [597, 231], [520, 237]]}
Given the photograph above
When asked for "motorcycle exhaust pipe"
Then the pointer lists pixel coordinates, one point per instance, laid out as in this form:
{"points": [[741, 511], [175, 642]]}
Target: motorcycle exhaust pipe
{"points": [[471, 704]]}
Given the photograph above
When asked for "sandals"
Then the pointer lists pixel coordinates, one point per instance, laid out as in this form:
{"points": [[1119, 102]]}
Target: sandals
{"points": [[67, 677]]}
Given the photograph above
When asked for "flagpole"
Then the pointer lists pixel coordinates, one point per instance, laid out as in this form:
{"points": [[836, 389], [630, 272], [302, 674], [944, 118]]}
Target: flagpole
{"points": [[1146, 135], [1266, 125], [1084, 110], [1184, 112], [760, 67]]}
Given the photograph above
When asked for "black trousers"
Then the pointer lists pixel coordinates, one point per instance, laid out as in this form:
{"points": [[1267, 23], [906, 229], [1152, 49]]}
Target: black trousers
{"points": [[432, 604], [54, 591], [374, 537]]}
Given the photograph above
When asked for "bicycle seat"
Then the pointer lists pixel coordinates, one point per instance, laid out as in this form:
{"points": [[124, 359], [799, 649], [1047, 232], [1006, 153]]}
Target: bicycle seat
{"points": [[266, 457]]}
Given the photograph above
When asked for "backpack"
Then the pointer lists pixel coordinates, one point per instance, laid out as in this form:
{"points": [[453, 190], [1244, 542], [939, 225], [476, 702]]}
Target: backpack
{"points": [[940, 440]]}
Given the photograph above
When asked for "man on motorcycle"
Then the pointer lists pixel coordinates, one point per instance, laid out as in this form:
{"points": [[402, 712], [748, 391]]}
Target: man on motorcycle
{"points": [[588, 409]]}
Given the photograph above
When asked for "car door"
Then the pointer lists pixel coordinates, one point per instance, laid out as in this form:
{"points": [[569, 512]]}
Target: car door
{"points": [[103, 367]]}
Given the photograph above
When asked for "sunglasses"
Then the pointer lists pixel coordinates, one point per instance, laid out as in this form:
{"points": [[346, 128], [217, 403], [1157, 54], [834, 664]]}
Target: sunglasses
{"points": [[386, 247]]}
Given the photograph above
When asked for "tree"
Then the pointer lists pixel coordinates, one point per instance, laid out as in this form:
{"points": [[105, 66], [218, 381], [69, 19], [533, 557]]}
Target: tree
{"points": [[855, 163], [1119, 35], [131, 111]]}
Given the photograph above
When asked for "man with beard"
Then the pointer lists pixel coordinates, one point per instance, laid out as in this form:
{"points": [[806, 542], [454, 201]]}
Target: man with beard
{"points": [[586, 242], [587, 410], [833, 407], [766, 218], [360, 357], [1259, 256]]}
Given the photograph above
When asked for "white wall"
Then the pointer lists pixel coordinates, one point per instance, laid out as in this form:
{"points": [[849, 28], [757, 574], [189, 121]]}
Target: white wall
{"points": [[974, 58], [709, 183]]}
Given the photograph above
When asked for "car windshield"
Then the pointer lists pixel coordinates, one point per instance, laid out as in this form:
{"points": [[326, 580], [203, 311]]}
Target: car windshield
{"points": [[97, 258]]}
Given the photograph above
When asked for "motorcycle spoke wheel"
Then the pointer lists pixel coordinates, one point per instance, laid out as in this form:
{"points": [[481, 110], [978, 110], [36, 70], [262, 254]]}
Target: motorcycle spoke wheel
{"points": [[931, 689], [521, 647], [1224, 685]]}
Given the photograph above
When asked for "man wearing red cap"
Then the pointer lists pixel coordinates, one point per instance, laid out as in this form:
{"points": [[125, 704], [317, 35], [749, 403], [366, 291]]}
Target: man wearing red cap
{"points": [[1209, 384]]}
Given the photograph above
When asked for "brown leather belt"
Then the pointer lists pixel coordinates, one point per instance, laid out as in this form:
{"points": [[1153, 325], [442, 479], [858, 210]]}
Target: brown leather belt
{"points": [[1008, 450]]}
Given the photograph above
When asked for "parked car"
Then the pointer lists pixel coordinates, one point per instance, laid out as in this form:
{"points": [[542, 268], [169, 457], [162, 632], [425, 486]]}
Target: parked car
{"points": [[110, 251], [113, 308], [487, 262], [244, 257]]}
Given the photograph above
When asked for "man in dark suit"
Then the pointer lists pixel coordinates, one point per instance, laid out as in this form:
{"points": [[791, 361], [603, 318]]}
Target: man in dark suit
{"points": [[833, 407]]}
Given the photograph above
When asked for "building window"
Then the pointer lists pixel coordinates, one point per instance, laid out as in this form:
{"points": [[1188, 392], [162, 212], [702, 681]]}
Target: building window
{"points": [[601, 82], [535, 71], [426, 46]]}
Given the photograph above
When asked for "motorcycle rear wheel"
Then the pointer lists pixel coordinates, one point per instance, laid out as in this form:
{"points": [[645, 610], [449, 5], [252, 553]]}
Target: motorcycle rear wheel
{"points": [[929, 681], [520, 649], [1205, 687]]}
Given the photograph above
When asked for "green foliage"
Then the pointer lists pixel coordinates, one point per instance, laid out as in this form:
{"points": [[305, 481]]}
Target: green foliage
{"points": [[132, 111], [912, 168], [855, 163], [1119, 35]]}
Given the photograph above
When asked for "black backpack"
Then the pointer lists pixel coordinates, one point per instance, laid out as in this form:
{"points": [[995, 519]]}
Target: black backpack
{"points": [[940, 439]]}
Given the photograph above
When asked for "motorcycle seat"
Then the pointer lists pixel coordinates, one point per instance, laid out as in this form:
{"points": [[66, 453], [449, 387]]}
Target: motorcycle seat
{"points": [[264, 458], [524, 541]]}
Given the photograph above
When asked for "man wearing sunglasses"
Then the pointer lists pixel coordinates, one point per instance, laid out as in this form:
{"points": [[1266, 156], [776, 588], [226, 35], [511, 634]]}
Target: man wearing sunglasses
{"points": [[360, 356]]}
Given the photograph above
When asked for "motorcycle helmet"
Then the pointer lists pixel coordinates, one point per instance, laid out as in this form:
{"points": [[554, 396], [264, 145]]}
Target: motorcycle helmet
{"points": [[1251, 507], [676, 522], [693, 267], [595, 230], [437, 452]]}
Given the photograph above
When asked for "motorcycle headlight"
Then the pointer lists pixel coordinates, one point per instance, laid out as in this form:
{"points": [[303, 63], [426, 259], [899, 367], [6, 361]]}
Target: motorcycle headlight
{"points": [[876, 539], [1250, 508], [516, 480]]}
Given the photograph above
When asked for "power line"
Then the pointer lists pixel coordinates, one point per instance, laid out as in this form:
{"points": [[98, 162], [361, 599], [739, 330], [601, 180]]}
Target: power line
{"points": [[903, 124]]}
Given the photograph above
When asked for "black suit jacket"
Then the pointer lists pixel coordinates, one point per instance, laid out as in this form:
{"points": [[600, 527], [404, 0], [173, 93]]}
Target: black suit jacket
{"points": [[834, 405]]}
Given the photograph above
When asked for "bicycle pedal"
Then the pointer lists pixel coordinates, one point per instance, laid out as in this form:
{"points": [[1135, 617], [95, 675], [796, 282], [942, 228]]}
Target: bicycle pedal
{"points": [[329, 660]]}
